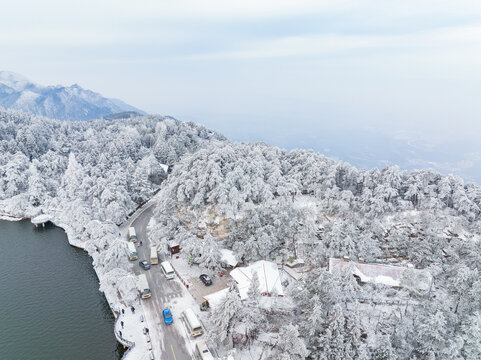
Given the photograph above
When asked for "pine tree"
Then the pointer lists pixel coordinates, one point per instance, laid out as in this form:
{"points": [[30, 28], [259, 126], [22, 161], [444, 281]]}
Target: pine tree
{"points": [[289, 345], [226, 315], [333, 338]]}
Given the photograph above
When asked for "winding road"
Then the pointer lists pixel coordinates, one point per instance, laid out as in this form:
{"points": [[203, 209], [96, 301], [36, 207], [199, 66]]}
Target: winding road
{"points": [[167, 342]]}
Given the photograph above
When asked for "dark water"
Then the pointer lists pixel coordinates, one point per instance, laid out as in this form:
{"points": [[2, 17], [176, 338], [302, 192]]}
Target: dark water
{"points": [[50, 305]]}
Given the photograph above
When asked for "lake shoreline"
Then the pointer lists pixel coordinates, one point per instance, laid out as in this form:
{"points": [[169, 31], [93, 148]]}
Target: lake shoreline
{"points": [[78, 244]]}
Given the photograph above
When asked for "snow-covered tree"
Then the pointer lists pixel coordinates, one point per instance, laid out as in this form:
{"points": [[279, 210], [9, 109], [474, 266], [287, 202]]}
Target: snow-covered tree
{"points": [[226, 314], [289, 345], [333, 338]]}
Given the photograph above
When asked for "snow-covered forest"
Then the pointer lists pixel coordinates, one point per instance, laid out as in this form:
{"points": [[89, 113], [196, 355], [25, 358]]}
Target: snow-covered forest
{"points": [[105, 167], [265, 203], [88, 176]]}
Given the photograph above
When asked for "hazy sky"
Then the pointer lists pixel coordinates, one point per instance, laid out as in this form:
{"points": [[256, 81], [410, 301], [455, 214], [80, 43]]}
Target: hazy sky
{"points": [[289, 72]]}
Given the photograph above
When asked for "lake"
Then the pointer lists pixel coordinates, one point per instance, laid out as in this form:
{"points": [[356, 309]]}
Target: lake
{"points": [[50, 305]]}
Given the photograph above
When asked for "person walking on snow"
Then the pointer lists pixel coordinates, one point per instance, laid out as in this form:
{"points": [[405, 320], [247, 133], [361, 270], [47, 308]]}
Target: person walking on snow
{"points": [[122, 323]]}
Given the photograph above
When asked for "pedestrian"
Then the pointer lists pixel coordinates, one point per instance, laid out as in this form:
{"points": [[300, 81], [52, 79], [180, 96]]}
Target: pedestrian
{"points": [[140, 242], [133, 310], [147, 329], [122, 323], [120, 333], [123, 311]]}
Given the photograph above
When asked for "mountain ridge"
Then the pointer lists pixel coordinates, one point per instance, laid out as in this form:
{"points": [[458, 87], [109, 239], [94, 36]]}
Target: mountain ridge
{"points": [[72, 103]]}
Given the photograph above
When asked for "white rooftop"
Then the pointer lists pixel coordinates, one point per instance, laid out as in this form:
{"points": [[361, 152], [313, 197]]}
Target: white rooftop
{"points": [[214, 299], [40, 219], [172, 243], [374, 273], [228, 257], [268, 274]]}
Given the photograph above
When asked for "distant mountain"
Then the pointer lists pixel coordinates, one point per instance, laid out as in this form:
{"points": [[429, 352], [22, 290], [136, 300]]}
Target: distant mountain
{"points": [[58, 102]]}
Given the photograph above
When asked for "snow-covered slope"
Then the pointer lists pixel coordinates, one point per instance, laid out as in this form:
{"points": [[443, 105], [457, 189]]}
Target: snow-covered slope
{"points": [[57, 102]]}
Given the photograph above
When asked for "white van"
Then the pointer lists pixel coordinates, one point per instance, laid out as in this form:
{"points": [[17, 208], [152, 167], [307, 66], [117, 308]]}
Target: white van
{"points": [[191, 322], [132, 234], [167, 269], [132, 252], [202, 352], [145, 292]]}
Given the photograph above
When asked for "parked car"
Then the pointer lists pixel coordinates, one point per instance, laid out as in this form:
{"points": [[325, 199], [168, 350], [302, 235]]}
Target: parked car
{"points": [[144, 264], [205, 279], [167, 315]]}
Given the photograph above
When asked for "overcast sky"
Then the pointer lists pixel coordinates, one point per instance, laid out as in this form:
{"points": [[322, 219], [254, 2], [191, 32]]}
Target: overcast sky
{"points": [[288, 72]]}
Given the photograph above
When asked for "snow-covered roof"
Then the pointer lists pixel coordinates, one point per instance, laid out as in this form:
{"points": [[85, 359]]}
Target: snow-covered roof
{"points": [[268, 274], [40, 219], [173, 243], [227, 256], [214, 299], [375, 273]]}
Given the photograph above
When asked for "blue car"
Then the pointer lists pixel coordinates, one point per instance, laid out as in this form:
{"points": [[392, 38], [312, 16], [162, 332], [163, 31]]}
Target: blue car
{"points": [[168, 319]]}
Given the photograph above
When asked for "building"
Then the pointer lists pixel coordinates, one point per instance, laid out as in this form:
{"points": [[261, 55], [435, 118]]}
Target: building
{"points": [[268, 274], [381, 274]]}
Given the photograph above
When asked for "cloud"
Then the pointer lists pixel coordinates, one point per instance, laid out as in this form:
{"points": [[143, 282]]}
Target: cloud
{"points": [[51, 37], [462, 37]]}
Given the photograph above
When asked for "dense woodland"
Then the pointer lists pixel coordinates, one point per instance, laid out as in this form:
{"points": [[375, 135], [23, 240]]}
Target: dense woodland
{"points": [[88, 176], [265, 203], [107, 167]]}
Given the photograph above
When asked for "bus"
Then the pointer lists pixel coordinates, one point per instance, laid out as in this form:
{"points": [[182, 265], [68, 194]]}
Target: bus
{"points": [[132, 234], [168, 270], [154, 259], [202, 352], [132, 252], [144, 286], [191, 322]]}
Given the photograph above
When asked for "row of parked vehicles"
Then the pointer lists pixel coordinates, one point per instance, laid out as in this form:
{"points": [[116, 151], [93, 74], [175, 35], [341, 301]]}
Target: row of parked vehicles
{"points": [[154, 256], [194, 326], [188, 316]]}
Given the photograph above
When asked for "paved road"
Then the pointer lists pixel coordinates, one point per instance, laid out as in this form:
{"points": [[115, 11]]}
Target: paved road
{"points": [[169, 341]]}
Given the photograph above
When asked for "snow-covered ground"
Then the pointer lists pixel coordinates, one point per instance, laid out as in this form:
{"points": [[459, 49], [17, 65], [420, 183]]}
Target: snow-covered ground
{"points": [[133, 324], [129, 326]]}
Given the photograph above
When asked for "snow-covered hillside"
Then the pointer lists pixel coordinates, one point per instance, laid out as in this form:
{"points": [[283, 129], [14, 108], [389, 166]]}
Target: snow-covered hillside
{"points": [[264, 203], [268, 204], [56, 102]]}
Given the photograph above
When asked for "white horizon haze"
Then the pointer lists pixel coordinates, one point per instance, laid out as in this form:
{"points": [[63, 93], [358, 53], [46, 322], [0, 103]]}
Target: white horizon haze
{"points": [[316, 74]]}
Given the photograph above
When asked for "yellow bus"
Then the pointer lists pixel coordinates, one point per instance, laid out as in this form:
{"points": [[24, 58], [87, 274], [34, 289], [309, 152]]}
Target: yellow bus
{"points": [[132, 251], [145, 292], [154, 259], [191, 322]]}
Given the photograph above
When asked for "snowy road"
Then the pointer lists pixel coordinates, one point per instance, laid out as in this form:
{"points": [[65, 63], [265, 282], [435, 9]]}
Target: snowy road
{"points": [[167, 340]]}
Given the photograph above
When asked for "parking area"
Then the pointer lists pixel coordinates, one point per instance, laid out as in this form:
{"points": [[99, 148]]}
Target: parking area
{"points": [[190, 274]]}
